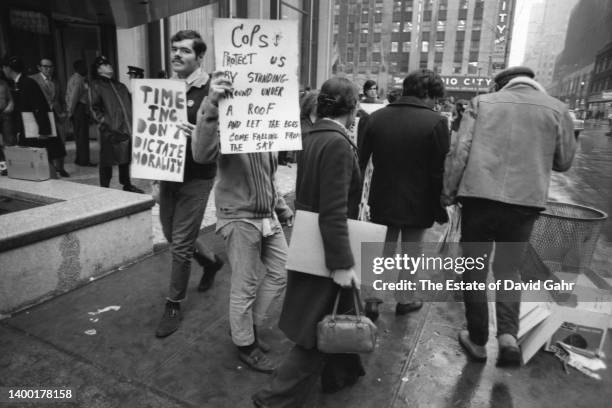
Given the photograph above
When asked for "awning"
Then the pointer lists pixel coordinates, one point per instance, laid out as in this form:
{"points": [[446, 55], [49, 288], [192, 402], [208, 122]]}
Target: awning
{"points": [[122, 13]]}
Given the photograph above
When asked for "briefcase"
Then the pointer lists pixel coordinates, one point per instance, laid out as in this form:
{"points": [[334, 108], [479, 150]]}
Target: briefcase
{"points": [[27, 163]]}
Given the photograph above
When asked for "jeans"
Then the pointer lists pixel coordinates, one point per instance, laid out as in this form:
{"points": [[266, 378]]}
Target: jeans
{"points": [[181, 209], [106, 174], [408, 234], [485, 222], [251, 294]]}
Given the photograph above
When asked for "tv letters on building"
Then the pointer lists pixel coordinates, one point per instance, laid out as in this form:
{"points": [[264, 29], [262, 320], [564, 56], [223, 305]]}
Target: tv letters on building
{"points": [[261, 59], [158, 146]]}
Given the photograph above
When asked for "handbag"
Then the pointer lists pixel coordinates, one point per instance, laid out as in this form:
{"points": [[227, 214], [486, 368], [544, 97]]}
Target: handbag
{"points": [[346, 333]]}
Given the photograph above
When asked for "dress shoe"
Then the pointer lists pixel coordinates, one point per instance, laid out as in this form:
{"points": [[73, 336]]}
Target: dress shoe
{"points": [[476, 352], [257, 360], [170, 321], [405, 308], [210, 270], [509, 352], [132, 189], [63, 173], [371, 308]]}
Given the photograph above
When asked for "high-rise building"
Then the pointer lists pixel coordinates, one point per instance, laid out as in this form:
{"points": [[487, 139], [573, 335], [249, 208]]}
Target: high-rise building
{"points": [[548, 23], [466, 41]]}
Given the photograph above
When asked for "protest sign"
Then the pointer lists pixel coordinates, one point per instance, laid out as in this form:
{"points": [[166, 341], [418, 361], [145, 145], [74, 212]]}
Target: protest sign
{"points": [[261, 59], [158, 146]]}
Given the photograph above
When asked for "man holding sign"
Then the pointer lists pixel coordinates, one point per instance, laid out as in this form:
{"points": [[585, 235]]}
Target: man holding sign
{"points": [[182, 204], [253, 122]]}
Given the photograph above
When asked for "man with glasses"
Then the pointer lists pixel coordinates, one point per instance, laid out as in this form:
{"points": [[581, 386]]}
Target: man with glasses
{"points": [[54, 95]]}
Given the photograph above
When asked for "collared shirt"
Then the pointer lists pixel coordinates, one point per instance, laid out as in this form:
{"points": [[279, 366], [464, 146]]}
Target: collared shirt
{"points": [[197, 78]]}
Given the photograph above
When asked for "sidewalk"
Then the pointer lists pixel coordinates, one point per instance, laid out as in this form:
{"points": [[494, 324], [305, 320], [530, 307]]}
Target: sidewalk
{"points": [[418, 362]]}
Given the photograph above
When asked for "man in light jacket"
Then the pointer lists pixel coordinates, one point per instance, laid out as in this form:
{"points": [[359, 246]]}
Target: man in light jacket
{"points": [[499, 169]]}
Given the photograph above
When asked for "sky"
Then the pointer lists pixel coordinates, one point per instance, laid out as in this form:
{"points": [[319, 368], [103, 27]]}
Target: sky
{"points": [[519, 33]]}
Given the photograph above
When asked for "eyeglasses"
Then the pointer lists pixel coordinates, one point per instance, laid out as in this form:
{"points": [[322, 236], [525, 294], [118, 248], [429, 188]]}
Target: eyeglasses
{"points": [[48, 66]]}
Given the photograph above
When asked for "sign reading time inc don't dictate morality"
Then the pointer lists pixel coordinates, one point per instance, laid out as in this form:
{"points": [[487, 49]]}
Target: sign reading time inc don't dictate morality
{"points": [[261, 59]]}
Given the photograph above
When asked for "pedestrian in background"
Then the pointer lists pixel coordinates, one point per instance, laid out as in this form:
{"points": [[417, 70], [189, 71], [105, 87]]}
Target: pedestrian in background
{"points": [[111, 106], [499, 170], [55, 98], [370, 92], [78, 112], [28, 97], [6, 130], [328, 183]]}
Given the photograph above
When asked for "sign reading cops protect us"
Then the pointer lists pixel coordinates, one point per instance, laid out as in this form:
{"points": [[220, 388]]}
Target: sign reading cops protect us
{"points": [[261, 59]]}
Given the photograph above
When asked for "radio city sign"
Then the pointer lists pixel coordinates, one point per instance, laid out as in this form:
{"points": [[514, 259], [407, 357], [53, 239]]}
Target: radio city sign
{"points": [[466, 83]]}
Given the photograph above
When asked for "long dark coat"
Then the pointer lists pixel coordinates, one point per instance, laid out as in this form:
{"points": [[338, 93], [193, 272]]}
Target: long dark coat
{"points": [[107, 97], [328, 183], [408, 142]]}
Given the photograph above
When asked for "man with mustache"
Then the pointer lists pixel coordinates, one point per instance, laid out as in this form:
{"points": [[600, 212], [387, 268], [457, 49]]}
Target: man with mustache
{"points": [[182, 205]]}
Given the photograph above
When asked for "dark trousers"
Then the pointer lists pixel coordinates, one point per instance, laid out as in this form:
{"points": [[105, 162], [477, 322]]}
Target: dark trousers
{"points": [[408, 235], [295, 379], [80, 125], [181, 209], [106, 174], [509, 226]]}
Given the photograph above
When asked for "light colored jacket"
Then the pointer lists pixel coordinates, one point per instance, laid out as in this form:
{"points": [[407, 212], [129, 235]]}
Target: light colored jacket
{"points": [[507, 145]]}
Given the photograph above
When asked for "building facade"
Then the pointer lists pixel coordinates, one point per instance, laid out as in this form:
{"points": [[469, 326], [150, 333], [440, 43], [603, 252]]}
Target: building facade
{"points": [[548, 21], [138, 32], [466, 41], [589, 30], [600, 91]]}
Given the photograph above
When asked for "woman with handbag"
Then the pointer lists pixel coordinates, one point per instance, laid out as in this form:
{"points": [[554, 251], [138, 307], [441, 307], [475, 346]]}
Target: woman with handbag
{"points": [[328, 183]]}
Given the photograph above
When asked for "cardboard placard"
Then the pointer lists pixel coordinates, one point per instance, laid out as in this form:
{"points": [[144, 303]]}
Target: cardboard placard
{"points": [[261, 59], [306, 253], [30, 127], [158, 146]]}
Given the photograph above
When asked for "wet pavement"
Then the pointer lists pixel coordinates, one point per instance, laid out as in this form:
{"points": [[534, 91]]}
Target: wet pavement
{"points": [[417, 363]]}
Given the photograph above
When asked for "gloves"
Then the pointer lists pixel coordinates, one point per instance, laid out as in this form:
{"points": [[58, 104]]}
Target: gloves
{"points": [[346, 277]]}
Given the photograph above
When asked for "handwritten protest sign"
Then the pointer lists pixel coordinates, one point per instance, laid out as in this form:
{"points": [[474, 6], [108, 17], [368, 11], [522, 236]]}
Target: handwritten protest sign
{"points": [[261, 59], [158, 146]]}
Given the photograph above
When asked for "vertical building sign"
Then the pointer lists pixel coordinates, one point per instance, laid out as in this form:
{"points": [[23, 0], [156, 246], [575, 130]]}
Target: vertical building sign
{"points": [[503, 31]]}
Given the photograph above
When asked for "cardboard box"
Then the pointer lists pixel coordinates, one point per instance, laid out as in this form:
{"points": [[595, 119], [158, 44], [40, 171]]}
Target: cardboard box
{"points": [[27, 163], [588, 319]]}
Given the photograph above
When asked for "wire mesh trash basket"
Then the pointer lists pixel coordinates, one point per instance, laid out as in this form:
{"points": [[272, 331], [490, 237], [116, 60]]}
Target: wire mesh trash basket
{"points": [[564, 237]]}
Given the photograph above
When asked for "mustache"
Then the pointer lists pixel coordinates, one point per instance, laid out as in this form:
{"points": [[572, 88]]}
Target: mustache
{"points": [[177, 59]]}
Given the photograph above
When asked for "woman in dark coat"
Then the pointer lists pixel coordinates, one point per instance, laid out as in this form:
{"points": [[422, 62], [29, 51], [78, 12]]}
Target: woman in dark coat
{"points": [[328, 183]]}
